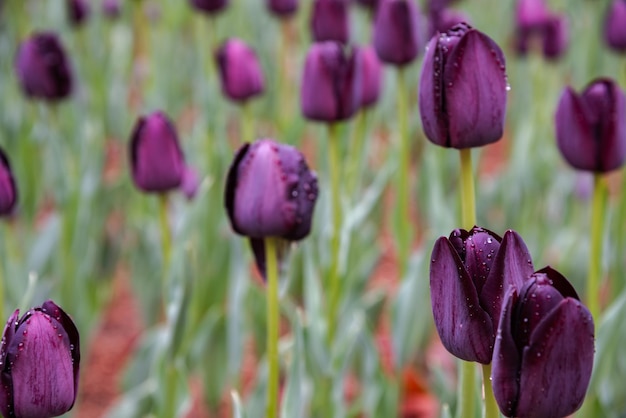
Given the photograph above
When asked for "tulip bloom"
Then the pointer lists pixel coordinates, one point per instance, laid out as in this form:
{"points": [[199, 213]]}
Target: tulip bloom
{"points": [[469, 273], [240, 71], [77, 11], [444, 20], [371, 75], [282, 8], [543, 356], [330, 83], [42, 67], [329, 21], [270, 192], [615, 26], [209, 6], [591, 128], [8, 190], [397, 36], [39, 359], [463, 85], [156, 159]]}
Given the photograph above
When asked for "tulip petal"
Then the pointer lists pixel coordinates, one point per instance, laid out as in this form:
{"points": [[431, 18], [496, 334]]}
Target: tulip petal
{"points": [[231, 186], [464, 327], [430, 95], [240, 72], [559, 282], [397, 32], [6, 385], [573, 132], [556, 366], [8, 189]]}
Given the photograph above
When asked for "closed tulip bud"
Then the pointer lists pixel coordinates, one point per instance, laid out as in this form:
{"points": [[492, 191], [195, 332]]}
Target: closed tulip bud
{"points": [[270, 192], [330, 83], [591, 128], [240, 71], [77, 11], [531, 14], [8, 190], [209, 6], [39, 359], [444, 20], [555, 37], [190, 182], [397, 32], [615, 26], [111, 8], [42, 67], [282, 8], [371, 74], [543, 356], [469, 273], [329, 21], [156, 159], [463, 86]]}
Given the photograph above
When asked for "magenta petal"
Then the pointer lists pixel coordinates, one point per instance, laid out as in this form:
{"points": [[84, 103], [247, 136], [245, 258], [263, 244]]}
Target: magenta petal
{"points": [[241, 74], [6, 385], [556, 367], [330, 21], [190, 183], [573, 132], [614, 27]]}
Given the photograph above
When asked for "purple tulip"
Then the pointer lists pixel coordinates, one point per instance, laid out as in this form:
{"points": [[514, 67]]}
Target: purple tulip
{"points": [[463, 85], [555, 37], [156, 159], [397, 32], [445, 19], [615, 26], [591, 128], [209, 6], [240, 71], [282, 8], [39, 359], [543, 356], [370, 4], [190, 182], [330, 83], [77, 11], [435, 6], [111, 9], [8, 190], [531, 14], [469, 274], [371, 74], [270, 192], [42, 67], [329, 21]]}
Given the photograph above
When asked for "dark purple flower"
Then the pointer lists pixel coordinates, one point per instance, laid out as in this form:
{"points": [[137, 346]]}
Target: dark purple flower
{"points": [[330, 83], [8, 190], [77, 11], [445, 19], [591, 128], [463, 85], [531, 14], [615, 25], [43, 68], [39, 359], [240, 71], [435, 6], [555, 36], [190, 182], [270, 192], [330, 21], [397, 32], [111, 8], [282, 8], [209, 6], [156, 159], [469, 274], [535, 23], [371, 74], [543, 356]]}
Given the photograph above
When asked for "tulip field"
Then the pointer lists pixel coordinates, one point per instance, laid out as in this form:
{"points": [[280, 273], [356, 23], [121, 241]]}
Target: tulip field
{"points": [[313, 208]]}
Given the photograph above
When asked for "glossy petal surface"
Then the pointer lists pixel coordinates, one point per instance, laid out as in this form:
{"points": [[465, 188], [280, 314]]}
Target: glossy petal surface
{"points": [[240, 71]]}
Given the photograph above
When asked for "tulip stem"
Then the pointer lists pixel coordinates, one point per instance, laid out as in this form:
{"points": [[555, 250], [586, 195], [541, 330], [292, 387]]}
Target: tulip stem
{"points": [[333, 156], [139, 64], [467, 378], [247, 126], [491, 407], [468, 199], [598, 209], [166, 240], [357, 152], [403, 191], [272, 327]]}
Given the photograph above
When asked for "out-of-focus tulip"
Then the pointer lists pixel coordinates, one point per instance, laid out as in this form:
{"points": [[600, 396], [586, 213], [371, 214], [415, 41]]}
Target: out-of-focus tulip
{"points": [[397, 32], [591, 128], [543, 356], [240, 71], [270, 192], [77, 11], [463, 86], [370, 4], [111, 8], [435, 6], [282, 8], [615, 25], [469, 274], [209, 6], [39, 359], [156, 159], [8, 190], [535, 23], [531, 14], [330, 21], [445, 19], [371, 74], [555, 37], [43, 68], [330, 83], [190, 182]]}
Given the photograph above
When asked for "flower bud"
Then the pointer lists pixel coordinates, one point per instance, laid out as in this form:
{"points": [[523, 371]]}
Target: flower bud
{"points": [[42, 67], [8, 190], [282, 8], [397, 36], [39, 359], [240, 71], [111, 9], [615, 26], [156, 159], [209, 6], [543, 355], [330, 83], [270, 192], [463, 85], [445, 19], [329, 21], [371, 75], [555, 37], [77, 11], [591, 128]]}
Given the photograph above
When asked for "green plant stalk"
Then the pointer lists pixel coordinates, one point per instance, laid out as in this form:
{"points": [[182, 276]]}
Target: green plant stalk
{"points": [[334, 280], [491, 407], [271, 258], [166, 241], [356, 151], [402, 180], [598, 210], [247, 124], [283, 93]]}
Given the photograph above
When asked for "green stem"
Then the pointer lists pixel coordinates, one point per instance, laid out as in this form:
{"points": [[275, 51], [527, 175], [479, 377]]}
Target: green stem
{"points": [[247, 123], [335, 285], [166, 240], [357, 151], [402, 186], [468, 200], [139, 51], [491, 407], [467, 378], [272, 327], [595, 253], [282, 104], [2, 267]]}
